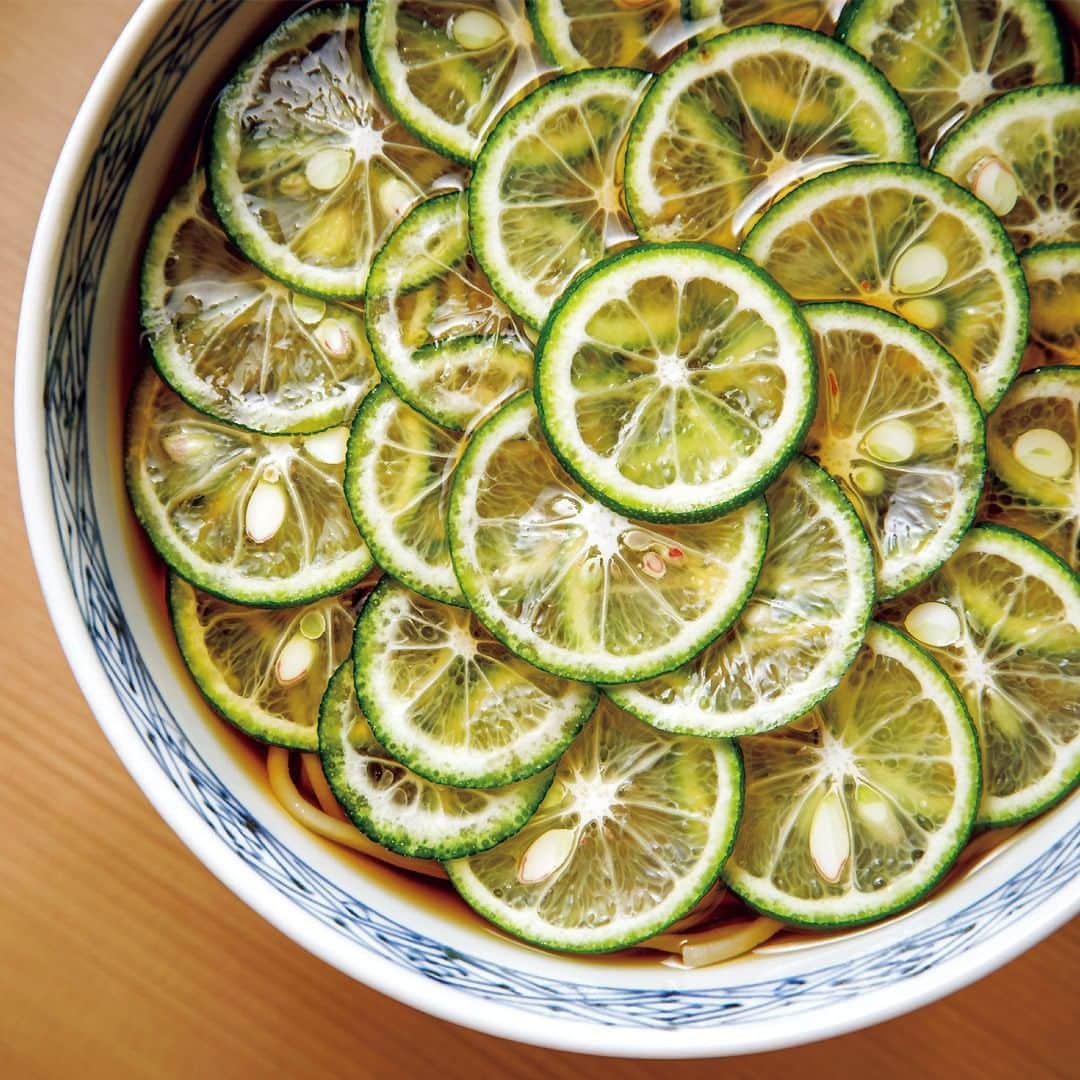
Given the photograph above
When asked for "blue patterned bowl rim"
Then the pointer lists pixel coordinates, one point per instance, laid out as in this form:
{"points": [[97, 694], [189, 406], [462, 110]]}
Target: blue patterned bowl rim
{"points": [[102, 150]]}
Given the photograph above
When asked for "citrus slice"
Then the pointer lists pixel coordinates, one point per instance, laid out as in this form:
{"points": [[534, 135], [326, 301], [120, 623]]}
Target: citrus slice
{"points": [[904, 239], [264, 669], [1002, 617], [575, 588], [257, 519], [633, 830], [949, 58], [441, 337], [451, 702], [545, 198], [403, 811], [795, 638], [718, 16], [1021, 156], [746, 116], [898, 427], [1033, 449], [575, 34], [235, 343], [1053, 280], [857, 810], [308, 171], [449, 68], [397, 483], [675, 381]]}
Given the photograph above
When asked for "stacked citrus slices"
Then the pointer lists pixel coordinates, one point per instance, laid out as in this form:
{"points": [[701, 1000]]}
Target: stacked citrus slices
{"points": [[579, 450]]}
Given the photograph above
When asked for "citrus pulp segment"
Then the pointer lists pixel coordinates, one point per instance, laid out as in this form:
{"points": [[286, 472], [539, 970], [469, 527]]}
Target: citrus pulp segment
{"points": [[1032, 136], [441, 337], [397, 483], [744, 117], [907, 240], [633, 830], [949, 58], [856, 811], [898, 427], [1033, 450], [1002, 617], [674, 381], [308, 171], [575, 588], [717, 16], [797, 635], [403, 811], [237, 344], [256, 519], [546, 195], [453, 703], [263, 669], [1053, 279]]}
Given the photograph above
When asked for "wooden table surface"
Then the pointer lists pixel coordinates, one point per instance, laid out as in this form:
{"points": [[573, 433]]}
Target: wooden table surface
{"points": [[120, 955]]}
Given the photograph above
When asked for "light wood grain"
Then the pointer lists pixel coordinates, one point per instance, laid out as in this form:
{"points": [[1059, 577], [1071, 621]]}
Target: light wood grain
{"points": [[120, 956]]}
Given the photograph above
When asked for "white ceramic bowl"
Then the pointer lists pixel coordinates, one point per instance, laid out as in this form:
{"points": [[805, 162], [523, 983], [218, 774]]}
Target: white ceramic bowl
{"points": [[119, 160]]}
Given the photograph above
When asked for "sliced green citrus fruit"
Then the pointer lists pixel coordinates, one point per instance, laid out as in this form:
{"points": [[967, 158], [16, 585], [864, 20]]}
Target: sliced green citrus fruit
{"points": [[308, 171], [795, 638], [403, 811], [949, 58], [1002, 617], [577, 34], [1053, 280], [746, 116], [719, 16], [858, 809], [257, 519], [634, 829], [397, 483], [1033, 448], [545, 198], [453, 703], [898, 427], [237, 344], [675, 381], [264, 669], [907, 240], [441, 337], [448, 68], [575, 588], [1021, 156]]}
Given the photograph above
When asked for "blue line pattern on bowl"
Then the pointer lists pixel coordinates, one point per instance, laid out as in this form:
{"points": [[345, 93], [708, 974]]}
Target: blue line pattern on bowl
{"points": [[180, 40]]}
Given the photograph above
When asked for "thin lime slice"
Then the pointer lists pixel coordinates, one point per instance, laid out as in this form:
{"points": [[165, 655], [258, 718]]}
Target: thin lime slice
{"points": [[1053, 280], [441, 337], [264, 669], [449, 69], [397, 482], [575, 588], [403, 811], [949, 58], [546, 196], [1002, 617], [1033, 448], [634, 829], [909, 241], [794, 639], [308, 171], [1029, 141], [857, 810], [736, 122], [237, 344], [898, 427], [675, 381], [719, 16], [256, 519], [451, 702]]}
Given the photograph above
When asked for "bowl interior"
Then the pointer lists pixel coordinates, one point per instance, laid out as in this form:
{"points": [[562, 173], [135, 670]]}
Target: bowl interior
{"points": [[133, 144]]}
